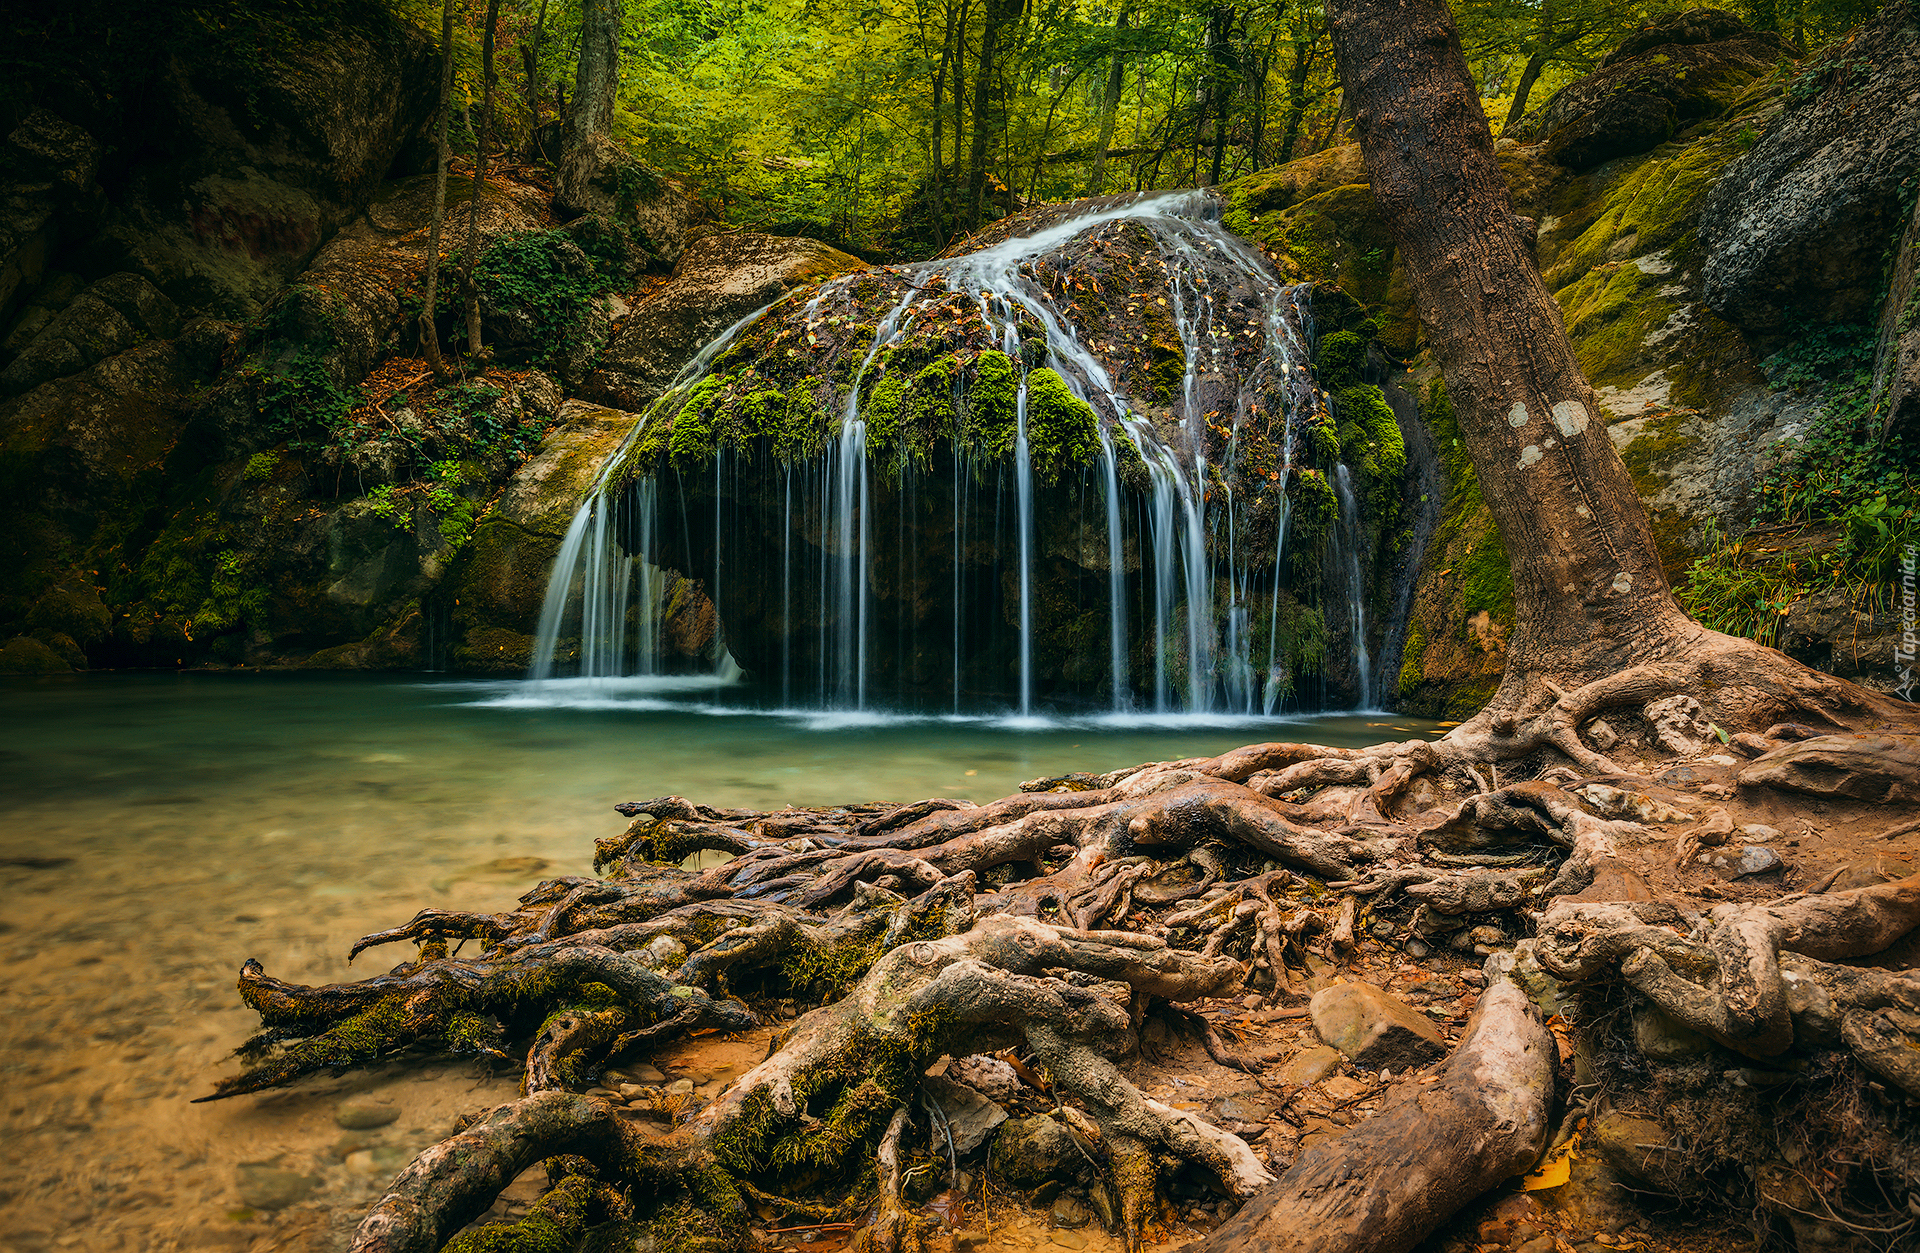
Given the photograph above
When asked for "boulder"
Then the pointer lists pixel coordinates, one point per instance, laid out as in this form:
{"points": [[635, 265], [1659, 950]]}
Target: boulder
{"points": [[364, 1112], [1672, 73], [266, 1185], [1373, 1028], [1030, 1151], [1797, 229], [1631, 1144], [718, 281], [109, 317]]}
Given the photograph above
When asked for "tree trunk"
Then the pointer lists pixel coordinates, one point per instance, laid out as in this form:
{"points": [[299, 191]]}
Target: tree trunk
{"points": [[1109, 110], [532, 51], [936, 208], [594, 86], [1219, 83], [1296, 97], [994, 15], [429, 337], [1523, 89], [1388, 1183], [1592, 608], [467, 289]]}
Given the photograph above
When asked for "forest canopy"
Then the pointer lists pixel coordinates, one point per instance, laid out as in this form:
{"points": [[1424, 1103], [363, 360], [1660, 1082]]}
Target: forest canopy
{"points": [[855, 121]]}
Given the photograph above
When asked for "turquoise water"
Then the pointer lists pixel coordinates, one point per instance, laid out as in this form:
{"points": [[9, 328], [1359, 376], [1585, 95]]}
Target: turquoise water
{"points": [[158, 829]]}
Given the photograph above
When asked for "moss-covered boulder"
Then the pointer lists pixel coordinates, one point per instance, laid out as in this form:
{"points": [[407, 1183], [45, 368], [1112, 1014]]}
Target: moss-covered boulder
{"points": [[718, 281], [1681, 69]]}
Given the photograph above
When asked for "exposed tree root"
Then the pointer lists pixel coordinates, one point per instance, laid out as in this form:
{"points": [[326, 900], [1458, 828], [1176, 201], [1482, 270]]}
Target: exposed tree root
{"points": [[1052, 922]]}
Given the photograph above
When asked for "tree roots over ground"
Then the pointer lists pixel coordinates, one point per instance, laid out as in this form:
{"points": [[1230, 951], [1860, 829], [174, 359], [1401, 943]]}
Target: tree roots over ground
{"points": [[1047, 927]]}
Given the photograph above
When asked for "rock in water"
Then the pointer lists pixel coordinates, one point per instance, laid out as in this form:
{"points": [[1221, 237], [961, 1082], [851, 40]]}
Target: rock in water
{"points": [[1374, 1029], [264, 1185], [361, 1113]]}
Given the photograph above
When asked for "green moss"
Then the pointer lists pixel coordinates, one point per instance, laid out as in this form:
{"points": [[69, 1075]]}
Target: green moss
{"points": [[1063, 433], [553, 1224], [1314, 510], [992, 420], [1375, 448], [1339, 359], [1660, 443], [1410, 657]]}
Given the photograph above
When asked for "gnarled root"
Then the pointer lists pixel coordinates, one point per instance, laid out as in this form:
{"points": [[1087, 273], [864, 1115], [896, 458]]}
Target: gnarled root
{"points": [[844, 1075], [1754, 978], [1388, 1182]]}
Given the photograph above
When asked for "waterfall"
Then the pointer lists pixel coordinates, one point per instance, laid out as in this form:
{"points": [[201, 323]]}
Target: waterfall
{"points": [[867, 552], [1347, 549]]}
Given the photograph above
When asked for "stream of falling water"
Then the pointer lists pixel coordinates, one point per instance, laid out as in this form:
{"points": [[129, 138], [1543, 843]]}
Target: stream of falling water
{"points": [[1201, 657]]}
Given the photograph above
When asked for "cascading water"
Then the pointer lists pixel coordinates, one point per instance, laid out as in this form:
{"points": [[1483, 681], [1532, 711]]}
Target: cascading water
{"points": [[943, 571], [1346, 557]]}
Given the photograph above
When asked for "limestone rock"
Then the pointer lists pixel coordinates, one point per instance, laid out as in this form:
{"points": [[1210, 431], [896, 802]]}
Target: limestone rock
{"points": [[1373, 1028], [364, 1112], [26, 655], [1798, 227], [970, 1117], [1030, 1151], [989, 1076], [718, 281], [266, 1185]]}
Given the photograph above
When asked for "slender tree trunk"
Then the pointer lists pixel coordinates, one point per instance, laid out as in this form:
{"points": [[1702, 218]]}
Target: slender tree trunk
{"points": [[1109, 109], [1524, 88], [1588, 586], [595, 84], [1219, 83], [467, 288], [429, 337], [994, 15], [533, 80], [937, 209], [1296, 96]]}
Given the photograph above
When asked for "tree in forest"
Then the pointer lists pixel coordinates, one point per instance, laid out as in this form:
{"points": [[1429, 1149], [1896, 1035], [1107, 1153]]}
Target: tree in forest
{"points": [[590, 122], [429, 337], [1056, 920]]}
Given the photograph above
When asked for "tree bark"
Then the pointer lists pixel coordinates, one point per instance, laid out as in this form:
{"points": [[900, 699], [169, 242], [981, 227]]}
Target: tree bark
{"points": [[1109, 108], [429, 337], [595, 84]]}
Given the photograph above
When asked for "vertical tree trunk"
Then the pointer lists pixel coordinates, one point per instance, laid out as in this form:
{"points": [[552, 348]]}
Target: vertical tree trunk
{"points": [[467, 288], [1109, 108], [991, 20], [1524, 88], [1589, 592], [532, 50], [429, 337], [936, 210], [1219, 83], [1296, 98], [595, 84]]}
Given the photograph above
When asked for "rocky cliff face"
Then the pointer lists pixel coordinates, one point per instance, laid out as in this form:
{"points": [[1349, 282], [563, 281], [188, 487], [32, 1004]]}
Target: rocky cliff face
{"points": [[217, 446]]}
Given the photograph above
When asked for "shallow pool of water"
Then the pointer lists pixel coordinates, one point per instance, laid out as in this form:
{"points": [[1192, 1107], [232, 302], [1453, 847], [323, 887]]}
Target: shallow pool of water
{"points": [[159, 829]]}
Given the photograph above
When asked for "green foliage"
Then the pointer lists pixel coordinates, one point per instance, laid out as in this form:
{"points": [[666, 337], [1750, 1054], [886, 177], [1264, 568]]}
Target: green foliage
{"points": [[546, 277], [261, 465], [384, 505], [1371, 443]]}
